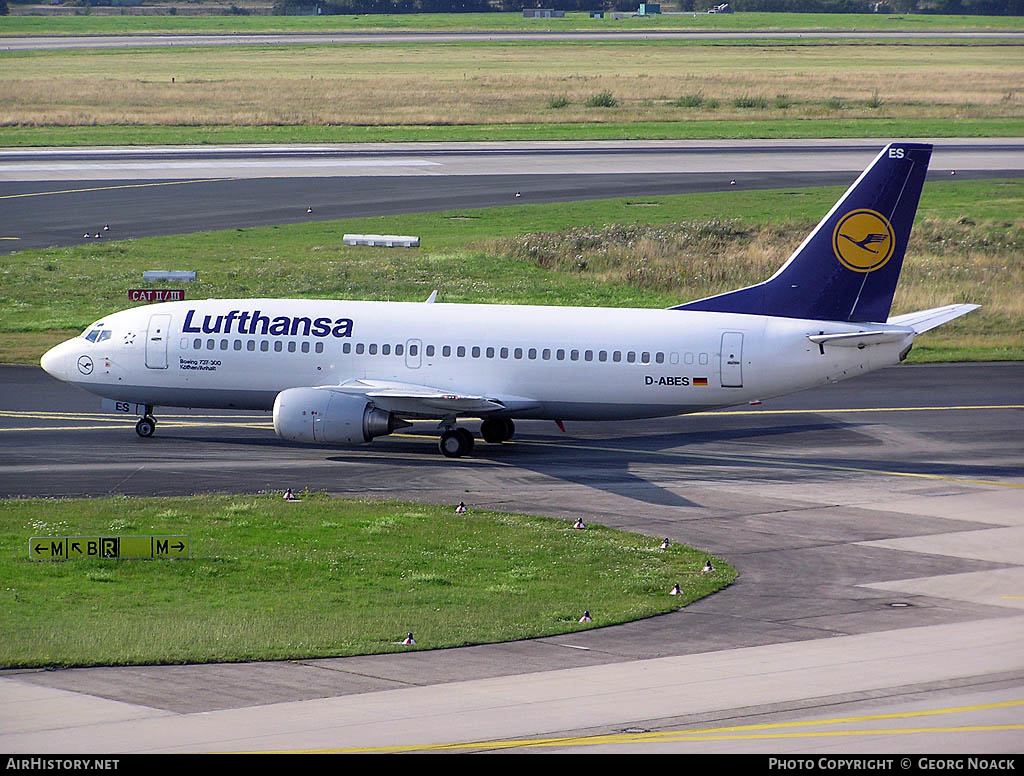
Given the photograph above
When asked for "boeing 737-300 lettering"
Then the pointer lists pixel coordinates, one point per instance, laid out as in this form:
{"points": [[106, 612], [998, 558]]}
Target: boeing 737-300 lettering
{"points": [[344, 372]]}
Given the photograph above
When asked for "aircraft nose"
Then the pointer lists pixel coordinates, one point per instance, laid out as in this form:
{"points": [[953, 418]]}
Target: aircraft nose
{"points": [[54, 362]]}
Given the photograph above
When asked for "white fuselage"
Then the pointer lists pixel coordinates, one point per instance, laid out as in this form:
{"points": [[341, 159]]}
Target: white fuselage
{"points": [[541, 362]]}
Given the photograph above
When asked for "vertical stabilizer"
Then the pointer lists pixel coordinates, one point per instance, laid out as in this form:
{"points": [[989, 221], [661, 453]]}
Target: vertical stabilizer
{"points": [[847, 268]]}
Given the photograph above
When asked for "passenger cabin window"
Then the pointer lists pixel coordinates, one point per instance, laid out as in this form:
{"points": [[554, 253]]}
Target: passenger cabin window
{"points": [[430, 350], [385, 350]]}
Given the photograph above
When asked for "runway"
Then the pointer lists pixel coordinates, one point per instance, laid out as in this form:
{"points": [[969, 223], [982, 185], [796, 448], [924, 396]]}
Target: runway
{"points": [[54, 197], [877, 525], [44, 43]]}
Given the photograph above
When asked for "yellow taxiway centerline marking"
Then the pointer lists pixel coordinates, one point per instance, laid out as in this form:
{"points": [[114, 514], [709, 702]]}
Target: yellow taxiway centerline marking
{"points": [[41, 415], [167, 423], [109, 188], [865, 409], [96, 416], [163, 424], [768, 462], [732, 733]]}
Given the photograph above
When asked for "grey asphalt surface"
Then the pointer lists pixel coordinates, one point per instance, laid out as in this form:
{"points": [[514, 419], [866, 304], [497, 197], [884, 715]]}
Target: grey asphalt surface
{"points": [[785, 497], [62, 219], [40, 43], [54, 197]]}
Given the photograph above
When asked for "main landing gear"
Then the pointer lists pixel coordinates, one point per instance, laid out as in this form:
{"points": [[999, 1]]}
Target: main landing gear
{"points": [[497, 430], [457, 442], [147, 424]]}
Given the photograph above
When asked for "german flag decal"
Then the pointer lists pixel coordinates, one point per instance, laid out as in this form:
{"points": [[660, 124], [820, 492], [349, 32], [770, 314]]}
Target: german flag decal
{"points": [[700, 381]]}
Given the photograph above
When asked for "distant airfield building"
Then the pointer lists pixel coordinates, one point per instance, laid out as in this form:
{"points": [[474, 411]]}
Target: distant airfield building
{"points": [[542, 13]]}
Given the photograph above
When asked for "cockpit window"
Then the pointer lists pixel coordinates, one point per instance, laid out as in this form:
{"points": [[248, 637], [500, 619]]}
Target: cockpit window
{"points": [[97, 333]]}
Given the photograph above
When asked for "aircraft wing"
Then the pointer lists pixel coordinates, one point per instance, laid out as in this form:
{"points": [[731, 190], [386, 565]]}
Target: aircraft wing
{"points": [[924, 320], [411, 398]]}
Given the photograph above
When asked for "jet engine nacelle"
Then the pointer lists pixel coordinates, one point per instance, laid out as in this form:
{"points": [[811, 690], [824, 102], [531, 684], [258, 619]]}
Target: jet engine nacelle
{"points": [[330, 417]]}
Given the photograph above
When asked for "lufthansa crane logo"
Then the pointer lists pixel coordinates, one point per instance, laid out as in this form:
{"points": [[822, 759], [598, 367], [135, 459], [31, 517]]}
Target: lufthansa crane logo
{"points": [[863, 240]]}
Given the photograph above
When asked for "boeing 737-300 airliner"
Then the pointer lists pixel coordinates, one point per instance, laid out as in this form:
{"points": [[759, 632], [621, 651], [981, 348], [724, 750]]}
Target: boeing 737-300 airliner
{"points": [[344, 372]]}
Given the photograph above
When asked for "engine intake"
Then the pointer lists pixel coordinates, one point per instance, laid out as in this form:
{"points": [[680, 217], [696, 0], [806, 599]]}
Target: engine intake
{"points": [[330, 417]]}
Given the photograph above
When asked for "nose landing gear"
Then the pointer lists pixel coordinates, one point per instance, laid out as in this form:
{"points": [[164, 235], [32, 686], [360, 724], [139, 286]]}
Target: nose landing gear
{"points": [[147, 424]]}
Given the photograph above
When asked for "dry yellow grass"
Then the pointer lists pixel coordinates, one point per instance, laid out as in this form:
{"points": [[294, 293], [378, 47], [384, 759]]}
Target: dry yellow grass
{"points": [[948, 261], [507, 83]]}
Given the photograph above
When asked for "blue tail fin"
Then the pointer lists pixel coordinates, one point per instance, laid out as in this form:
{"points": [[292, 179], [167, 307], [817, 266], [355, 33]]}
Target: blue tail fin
{"points": [[847, 268]]}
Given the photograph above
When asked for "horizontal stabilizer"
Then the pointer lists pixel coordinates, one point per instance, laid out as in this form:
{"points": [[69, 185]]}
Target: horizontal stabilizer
{"points": [[860, 338], [925, 320]]}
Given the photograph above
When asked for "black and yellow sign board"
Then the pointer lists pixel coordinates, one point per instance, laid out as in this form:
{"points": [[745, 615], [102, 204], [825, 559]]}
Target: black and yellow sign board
{"points": [[116, 547]]}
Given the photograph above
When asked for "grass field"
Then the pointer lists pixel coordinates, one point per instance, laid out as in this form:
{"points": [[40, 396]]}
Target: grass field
{"points": [[511, 90], [273, 580], [965, 248], [97, 24]]}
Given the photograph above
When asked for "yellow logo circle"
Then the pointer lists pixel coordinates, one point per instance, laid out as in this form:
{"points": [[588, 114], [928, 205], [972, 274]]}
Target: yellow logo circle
{"points": [[863, 240]]}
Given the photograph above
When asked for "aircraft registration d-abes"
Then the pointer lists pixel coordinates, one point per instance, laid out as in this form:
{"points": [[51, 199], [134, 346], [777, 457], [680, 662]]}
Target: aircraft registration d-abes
{"points": [[344, 372]]}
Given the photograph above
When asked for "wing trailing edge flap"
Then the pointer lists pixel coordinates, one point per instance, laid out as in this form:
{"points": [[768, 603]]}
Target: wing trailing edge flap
{"points": [[425, 399]]}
